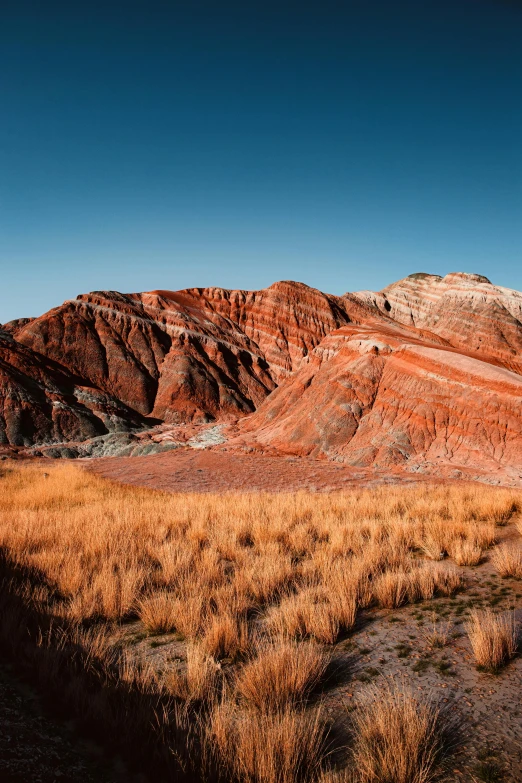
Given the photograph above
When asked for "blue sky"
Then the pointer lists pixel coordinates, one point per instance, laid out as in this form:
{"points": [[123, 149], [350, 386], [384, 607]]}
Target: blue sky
{"points": [[344, 144]]}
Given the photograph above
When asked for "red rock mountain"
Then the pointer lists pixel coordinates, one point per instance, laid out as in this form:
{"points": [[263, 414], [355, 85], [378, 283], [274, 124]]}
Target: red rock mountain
{"points": [[429, 370], [194, 355]]}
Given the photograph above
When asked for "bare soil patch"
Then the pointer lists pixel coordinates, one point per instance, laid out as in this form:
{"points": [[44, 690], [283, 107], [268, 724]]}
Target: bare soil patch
{"points": [[215, 470]]}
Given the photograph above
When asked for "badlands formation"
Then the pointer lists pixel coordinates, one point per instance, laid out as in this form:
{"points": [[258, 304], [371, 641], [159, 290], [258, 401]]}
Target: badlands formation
{"points": [[422, 377]]}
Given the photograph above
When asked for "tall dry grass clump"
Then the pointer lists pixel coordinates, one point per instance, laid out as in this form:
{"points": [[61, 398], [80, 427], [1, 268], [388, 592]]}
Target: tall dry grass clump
{"points": [[202, 681], [159, 612], [493, 638], [281, 673], [306, 614], [227, 636], [398, 736], [507, 560], [391, 588], [465, 552], [285, 746]]}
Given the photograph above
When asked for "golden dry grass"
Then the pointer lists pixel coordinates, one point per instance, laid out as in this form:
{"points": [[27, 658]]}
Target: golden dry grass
{"points": [[465, 552], [284, 746], [202, 680], [257, 585], [281, 673], [159, 611], [507, 560], [182, 561], [397, 736], [493, 638], [436, 635]]}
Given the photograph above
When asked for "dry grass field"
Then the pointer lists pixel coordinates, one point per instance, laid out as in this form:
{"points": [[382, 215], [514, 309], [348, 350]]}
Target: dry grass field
{"points": [[253, 596]]}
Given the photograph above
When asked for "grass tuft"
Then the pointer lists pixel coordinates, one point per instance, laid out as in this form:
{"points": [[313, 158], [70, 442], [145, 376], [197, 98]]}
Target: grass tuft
{"points": [[493, 638]]}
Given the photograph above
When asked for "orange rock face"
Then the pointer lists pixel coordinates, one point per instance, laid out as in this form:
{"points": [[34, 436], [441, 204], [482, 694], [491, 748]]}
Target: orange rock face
{"points": [[426, 373], [468, 311], [373, 396]]}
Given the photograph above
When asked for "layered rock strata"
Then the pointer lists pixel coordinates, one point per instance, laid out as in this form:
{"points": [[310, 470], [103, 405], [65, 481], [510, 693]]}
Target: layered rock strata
{"points": [[426, 371]]}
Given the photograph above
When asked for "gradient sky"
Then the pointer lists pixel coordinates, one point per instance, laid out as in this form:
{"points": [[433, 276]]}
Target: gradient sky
{"points": [[171, 144]]}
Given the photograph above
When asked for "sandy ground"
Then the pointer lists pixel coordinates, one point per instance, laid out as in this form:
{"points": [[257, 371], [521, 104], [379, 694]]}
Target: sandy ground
{"points": [[189, 470]]}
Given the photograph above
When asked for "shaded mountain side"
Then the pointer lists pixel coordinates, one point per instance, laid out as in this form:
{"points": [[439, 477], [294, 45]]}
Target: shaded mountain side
{"points": [[42, 402]]}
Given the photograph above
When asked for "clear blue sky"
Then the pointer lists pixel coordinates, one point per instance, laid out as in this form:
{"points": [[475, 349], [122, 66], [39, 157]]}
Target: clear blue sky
{"points": [[171, 144]]}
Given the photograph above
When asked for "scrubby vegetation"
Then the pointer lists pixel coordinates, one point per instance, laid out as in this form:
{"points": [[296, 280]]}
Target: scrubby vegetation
{"points": [[258, 589]]}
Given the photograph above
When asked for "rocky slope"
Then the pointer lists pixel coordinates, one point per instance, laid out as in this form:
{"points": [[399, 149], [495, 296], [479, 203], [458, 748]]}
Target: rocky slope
{"points": [[374, 396], [424, 373], [186, 356], [467, 310], [43, 402]]}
